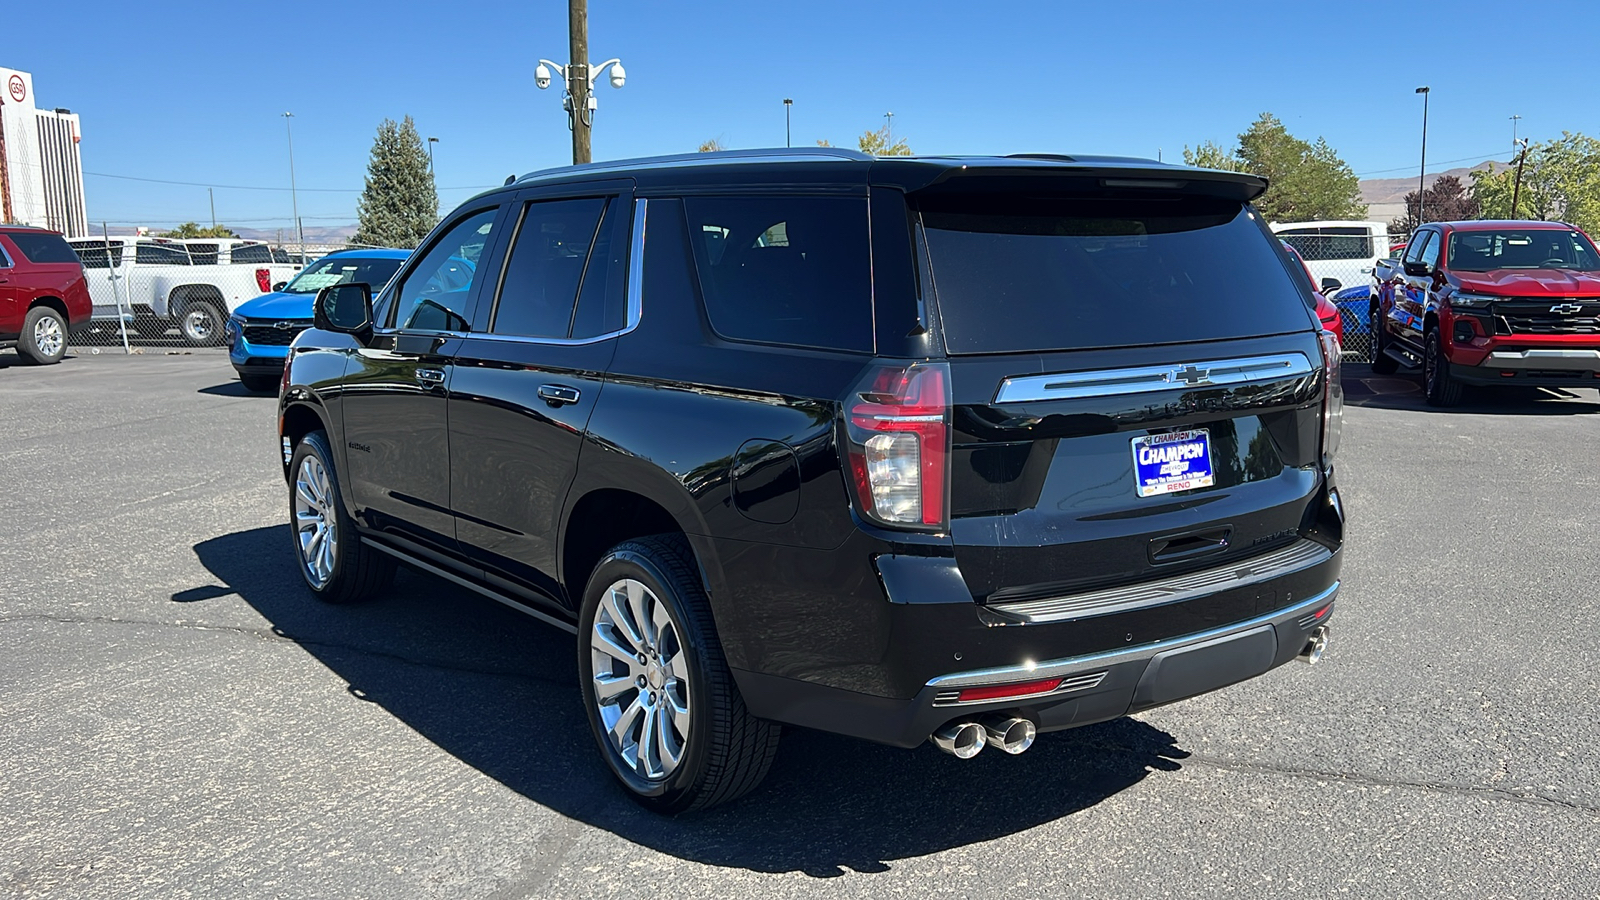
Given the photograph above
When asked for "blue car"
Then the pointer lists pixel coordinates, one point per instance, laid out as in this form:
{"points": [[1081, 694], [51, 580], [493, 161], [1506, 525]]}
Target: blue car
{"points": [[260, 331], [1354, 304]]}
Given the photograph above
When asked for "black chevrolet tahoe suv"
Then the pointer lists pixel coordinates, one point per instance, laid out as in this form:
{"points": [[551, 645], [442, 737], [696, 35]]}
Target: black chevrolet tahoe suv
{"points": [[948, 449]]}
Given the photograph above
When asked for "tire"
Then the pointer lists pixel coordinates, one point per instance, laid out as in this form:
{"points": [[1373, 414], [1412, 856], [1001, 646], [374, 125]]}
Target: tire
{"points": [[1439, 386], [723, 751], [43, 340], [201, 324], [349, 571], [1382, 363], [260, 384]]}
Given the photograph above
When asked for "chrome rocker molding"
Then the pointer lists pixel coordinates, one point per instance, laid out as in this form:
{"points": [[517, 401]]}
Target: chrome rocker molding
{"points": [[1300, 555], [1149, 379], [1288, 617], [452, 577]]}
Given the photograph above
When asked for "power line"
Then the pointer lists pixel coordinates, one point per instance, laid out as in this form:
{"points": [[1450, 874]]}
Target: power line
{"points": [[1444, 162]]}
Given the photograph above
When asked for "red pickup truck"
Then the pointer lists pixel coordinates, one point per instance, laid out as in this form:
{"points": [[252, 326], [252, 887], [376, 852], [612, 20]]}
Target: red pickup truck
{"points": [[43, 295], [1476, 303]]}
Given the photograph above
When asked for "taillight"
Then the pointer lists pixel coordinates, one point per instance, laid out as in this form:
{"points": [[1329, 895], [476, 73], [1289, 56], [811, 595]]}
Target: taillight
{"points": [[264, 280], [898, 423], [1332, 399]]}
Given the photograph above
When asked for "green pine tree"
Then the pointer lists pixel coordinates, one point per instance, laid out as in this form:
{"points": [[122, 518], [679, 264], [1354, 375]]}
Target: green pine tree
{"points": [[400, 203]]}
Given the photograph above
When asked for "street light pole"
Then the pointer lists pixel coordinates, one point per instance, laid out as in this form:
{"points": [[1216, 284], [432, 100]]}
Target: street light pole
{"points": [[787, 135], [1514, 130], [889, 117], [431, 142], [1422, 174], [294, 196]]}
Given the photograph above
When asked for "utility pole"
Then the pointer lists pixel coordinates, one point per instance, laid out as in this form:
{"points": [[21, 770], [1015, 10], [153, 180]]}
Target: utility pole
{"points": [[1514, 130], [787, 134], [213, 195], [578, 80], [889, 118], [1422, 175], [1516, 192]]}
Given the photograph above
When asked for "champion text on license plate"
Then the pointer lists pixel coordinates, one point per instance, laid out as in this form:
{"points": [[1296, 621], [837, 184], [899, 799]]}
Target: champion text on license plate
{"points": [[1164, 463]]}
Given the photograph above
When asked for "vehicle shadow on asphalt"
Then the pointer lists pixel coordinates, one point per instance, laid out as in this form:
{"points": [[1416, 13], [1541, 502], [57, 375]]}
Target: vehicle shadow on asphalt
{"points": [[232, 389], [1403, 391], [497, 690]]}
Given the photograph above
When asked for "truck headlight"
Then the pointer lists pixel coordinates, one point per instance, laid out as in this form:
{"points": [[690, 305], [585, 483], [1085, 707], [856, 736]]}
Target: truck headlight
{"points": [[1462, 298]]}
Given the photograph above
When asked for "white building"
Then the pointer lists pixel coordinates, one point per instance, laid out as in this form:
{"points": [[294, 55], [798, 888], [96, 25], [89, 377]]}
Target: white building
{"points": [[41, 171]]}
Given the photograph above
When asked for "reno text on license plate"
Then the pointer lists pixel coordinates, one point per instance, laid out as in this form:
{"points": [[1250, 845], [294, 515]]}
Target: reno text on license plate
{"points": [[1178, 461]]}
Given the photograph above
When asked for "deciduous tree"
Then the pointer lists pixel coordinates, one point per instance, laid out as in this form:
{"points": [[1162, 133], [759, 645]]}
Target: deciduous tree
{"points": [[193, 230], [1446, 200], [400, 203], [1305, 181], [1560, 180]]}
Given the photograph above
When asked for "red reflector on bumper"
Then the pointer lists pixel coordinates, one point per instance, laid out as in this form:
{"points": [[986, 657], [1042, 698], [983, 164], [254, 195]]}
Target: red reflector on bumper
{"points": [[1003, 691]]}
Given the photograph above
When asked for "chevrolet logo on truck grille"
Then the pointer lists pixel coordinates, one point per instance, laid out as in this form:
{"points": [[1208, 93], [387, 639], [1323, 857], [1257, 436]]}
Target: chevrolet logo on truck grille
{"points": [[1192, 376], [1567, 309]]}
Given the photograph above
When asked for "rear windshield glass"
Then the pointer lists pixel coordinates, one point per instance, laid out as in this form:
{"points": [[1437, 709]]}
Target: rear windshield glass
{"points": [[94, 255], [44, 248], [1031, 274], [1484, 251]]}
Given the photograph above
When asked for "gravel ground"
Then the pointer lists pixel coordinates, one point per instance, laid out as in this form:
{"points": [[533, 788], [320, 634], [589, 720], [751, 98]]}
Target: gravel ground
{"points": [[177, 719]]}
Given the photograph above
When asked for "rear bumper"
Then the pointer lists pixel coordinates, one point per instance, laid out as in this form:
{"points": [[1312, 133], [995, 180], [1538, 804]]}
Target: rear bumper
{"points": [[1093, 688]]}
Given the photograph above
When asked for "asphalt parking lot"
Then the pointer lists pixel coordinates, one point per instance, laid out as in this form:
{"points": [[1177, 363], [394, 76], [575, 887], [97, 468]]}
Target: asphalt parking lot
{"points": [[179, 719]]}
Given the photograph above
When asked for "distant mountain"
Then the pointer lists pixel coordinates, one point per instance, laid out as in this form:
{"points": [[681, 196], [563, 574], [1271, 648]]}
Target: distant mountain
{"points": [[1386, 197], [317, 234]]}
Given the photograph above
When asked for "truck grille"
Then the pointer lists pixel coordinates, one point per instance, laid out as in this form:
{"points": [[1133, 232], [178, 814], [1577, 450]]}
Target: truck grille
{"points": [[1538, 318], [272, 335]]}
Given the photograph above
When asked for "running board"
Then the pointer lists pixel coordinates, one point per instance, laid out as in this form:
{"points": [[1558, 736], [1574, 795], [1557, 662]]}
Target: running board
{"points": [[470, 585], [1404, 357]]}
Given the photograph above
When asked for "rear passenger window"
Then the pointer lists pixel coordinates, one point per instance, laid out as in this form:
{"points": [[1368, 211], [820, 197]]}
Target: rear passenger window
{"points": [[160, 254], [44, 248], [785, 270], [540, 288], [255, 254]]}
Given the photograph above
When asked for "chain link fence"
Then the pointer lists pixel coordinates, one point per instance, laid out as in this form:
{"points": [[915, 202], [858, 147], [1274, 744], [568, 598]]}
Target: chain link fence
{"points": [[155, 292], [1341, 266]]}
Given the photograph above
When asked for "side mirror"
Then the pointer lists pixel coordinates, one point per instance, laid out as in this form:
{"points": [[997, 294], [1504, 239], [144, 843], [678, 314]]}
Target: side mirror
{"points": [[345, 308], [1330, 284], [1417, 269], [279, 286]]}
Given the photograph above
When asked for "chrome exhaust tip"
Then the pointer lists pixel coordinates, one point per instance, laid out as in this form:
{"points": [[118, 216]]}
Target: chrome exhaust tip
{"points": [[1013, 734], [1311, 654], [963, 740]]}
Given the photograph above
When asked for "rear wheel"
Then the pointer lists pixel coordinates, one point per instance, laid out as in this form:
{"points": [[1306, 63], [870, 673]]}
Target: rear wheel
{"points": [[336, 566], [201, 324], [1440, 387], [660, 699], [43, 340], [1382, 363]]}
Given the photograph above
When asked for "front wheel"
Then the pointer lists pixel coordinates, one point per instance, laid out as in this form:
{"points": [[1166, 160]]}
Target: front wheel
{"points": [[1440, 387], [44, 337], [336, 566], [660, 699], [201, 324]]}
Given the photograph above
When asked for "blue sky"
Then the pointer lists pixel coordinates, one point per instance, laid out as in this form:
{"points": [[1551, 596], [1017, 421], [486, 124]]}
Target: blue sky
{"points": [[192, 92]]}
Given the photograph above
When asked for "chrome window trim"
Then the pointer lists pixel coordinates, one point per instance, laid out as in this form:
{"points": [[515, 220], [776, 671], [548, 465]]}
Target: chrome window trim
{"points": [[5, 258], [635, 295], [1072, 665], [1150, 379]]}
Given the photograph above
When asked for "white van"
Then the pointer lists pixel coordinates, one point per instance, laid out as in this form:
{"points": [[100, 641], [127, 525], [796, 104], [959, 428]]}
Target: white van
{"points": [[1337, 250]]}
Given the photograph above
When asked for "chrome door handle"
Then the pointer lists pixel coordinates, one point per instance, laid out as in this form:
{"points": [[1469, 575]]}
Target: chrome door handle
{"points": [[558, 394], [431, 376]]}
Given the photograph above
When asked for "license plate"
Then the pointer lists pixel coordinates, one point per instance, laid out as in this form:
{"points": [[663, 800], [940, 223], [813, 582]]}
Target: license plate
{"points": [[1178, 461]]}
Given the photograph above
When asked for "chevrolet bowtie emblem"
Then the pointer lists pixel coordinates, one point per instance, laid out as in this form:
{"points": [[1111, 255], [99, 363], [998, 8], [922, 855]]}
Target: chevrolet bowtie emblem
{"points": [[283, 326], [1191, 376], [1567, 309]]}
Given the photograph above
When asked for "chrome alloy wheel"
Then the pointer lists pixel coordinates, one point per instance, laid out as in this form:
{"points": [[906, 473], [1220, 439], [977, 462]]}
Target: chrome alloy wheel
{"points": [[641, 679], [48, 337], [315, 522], [198, 326]]}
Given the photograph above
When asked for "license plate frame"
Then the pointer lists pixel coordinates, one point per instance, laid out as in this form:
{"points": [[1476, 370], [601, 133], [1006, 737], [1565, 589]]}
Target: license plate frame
{"points": [[1168, 465]]}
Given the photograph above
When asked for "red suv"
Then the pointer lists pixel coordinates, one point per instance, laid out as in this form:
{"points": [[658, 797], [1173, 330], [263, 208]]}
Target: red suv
{"points": [[1490, 303], [43, 295]]}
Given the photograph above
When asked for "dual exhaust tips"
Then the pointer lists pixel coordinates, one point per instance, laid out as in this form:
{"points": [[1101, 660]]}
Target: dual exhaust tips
{"points": [[964, 739]]}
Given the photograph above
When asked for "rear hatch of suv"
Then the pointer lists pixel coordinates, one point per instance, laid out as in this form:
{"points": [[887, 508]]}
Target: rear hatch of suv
{"points": [[1137, 401]]}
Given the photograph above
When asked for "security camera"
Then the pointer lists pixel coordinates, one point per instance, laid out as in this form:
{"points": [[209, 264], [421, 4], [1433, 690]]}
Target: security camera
{"points": [[541, 76], [618, 76]]}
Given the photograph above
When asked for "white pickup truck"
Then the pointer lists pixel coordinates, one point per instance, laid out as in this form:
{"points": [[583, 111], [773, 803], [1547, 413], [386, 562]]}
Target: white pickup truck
{"points": [[1338, 253], [190, 284]]}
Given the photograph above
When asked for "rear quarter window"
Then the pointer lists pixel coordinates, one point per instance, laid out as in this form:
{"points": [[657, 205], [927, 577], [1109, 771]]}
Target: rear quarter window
{"points": [[44, 248], [785, 269], [1028, 274], [252, 254]]}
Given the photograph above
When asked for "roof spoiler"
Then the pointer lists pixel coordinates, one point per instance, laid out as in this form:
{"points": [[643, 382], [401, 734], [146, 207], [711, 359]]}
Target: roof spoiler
{"points": [[1081, 174]]}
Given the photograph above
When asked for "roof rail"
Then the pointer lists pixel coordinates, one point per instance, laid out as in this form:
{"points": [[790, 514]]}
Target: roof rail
{"points": [[718, 157], [1091, 158]]}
